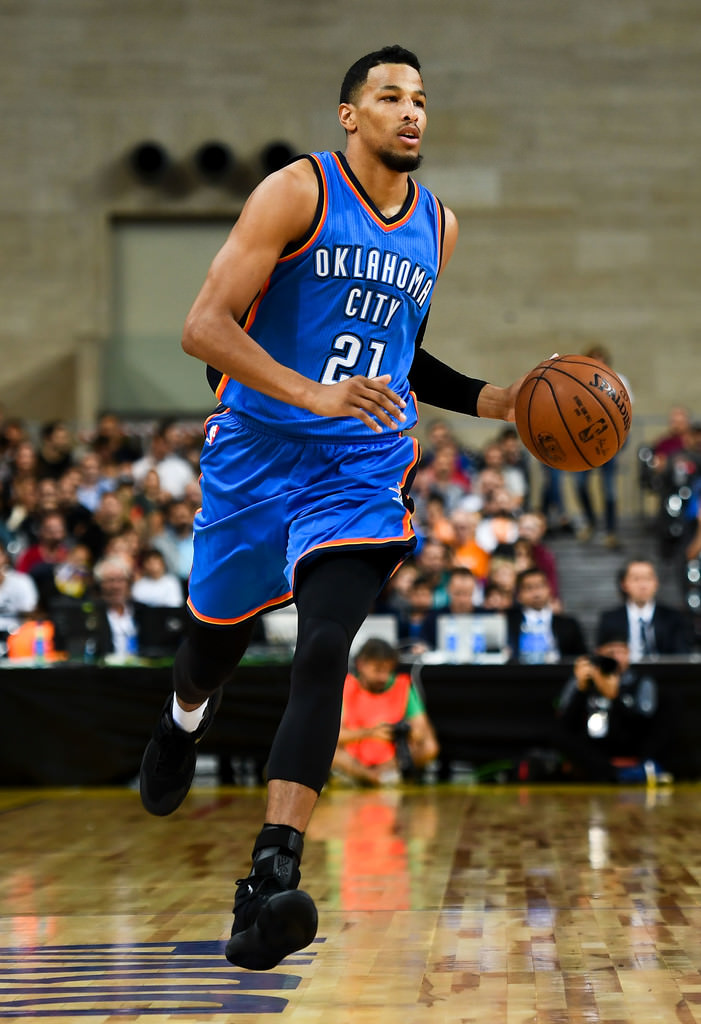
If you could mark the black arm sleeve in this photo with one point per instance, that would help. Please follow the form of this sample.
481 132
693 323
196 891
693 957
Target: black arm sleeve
435 383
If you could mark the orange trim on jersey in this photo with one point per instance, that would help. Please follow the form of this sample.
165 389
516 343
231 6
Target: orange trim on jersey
440 226
250 317
363 202
322 215
272 603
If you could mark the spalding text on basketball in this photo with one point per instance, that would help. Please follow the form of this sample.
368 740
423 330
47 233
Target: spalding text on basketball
620 398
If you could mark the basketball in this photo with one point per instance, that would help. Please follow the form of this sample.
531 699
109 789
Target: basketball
573 412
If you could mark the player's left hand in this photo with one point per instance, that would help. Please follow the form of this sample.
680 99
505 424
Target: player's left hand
496 403
500 403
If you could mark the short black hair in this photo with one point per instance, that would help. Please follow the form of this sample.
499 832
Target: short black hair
526 574
376 649
357 74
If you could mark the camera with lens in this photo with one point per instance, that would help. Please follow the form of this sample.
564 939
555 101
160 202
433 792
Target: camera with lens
607 666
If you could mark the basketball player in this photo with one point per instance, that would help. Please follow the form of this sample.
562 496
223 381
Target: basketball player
310 321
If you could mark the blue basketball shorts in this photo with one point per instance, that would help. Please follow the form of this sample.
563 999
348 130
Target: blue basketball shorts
268 502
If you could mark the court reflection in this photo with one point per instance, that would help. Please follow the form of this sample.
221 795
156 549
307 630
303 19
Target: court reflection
377 845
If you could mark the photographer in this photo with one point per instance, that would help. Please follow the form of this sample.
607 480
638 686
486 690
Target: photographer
385 732
612 724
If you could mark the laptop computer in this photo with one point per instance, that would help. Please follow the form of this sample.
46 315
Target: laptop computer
159 629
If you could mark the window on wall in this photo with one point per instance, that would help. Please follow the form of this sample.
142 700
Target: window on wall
158 267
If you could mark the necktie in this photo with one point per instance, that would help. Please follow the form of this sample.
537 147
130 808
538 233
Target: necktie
644 644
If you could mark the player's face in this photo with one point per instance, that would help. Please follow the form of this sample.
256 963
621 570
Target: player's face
390 115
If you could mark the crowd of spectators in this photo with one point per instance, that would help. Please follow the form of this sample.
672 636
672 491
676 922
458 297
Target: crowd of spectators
76 512
104 519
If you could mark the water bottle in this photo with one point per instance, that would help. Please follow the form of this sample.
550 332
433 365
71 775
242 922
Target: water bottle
452 641
39 643
132 645
533 644
90 650
479 642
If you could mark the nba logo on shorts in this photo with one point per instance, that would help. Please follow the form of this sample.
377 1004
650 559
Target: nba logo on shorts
212 433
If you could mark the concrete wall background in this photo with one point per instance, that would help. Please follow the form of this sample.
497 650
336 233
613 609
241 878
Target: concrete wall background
565 136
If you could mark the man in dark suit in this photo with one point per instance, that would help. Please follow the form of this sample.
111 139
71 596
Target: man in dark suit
536 633
651 628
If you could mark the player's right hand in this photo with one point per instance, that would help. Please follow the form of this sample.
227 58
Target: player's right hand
368 399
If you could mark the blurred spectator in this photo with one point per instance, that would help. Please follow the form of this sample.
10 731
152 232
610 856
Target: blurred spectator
114 579
18 595
553 503
12 432
502 573
462 590
498 523
24 464
434 561
47 496
516 465
385 733
466 551
523 555
94 482
126 544
496 598
150 495
678 423
537 633
113 445
411 621
693 548
109 519
155 585
175 542
77 516
21 523
440 434
394 598
55 454
614 724
70 580
437 523
444 477
607 474
486 481
650 628
692 448
174 471
50 549
533 526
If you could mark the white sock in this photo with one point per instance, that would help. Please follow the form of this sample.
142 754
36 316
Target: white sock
188 720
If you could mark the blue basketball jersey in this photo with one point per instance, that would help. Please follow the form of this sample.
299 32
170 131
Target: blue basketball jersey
348 299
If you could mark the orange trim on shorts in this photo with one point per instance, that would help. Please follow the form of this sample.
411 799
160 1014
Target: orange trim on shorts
274 602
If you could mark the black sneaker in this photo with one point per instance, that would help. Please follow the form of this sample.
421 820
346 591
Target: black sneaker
270 922
168 764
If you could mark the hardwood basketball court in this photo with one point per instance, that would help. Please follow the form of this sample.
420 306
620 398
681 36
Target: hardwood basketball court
497 905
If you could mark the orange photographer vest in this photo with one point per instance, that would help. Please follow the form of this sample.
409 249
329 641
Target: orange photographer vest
362 710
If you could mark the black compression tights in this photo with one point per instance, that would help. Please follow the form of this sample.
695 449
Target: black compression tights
334 595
